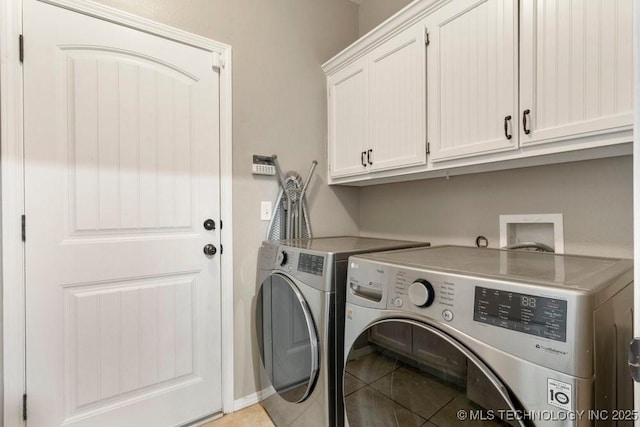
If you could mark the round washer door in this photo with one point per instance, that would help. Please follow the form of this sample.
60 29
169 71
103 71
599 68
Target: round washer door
405 373
287 338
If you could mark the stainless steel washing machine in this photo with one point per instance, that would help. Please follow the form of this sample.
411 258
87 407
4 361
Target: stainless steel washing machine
300 325
452 335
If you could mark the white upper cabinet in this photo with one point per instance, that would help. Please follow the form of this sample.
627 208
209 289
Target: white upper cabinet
576 68
473 78
377 108
496 84
398 102
348 120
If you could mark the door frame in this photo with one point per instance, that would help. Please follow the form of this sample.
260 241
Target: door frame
12 191
636 188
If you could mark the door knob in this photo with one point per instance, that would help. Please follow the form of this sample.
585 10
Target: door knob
209 224
209 250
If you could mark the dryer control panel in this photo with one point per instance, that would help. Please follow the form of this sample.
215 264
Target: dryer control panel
539 324
531 314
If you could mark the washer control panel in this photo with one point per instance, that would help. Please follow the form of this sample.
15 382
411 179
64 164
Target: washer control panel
421 293
522 319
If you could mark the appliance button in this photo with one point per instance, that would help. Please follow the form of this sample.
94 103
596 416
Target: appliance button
447 315
397 302
421 293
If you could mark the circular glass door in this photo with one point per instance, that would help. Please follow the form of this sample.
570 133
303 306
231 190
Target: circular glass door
287 338
403 373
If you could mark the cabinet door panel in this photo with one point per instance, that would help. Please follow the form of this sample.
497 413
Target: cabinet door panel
576 68
472 78
397 88
348 115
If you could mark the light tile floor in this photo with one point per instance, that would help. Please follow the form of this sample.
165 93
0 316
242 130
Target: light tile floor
382 391
254 416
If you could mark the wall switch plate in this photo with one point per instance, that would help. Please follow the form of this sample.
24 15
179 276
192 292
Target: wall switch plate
540 228
263 165
265 211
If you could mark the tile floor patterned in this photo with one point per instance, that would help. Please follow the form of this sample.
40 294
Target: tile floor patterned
383 391
254 416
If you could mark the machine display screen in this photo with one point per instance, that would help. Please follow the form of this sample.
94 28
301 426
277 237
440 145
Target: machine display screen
312 264
534 315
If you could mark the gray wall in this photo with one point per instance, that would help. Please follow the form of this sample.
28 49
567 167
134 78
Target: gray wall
595 196
279 107
373 12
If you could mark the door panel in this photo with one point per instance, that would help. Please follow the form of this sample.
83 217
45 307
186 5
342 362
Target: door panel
473 78
287 338
348 120
576 68
397 88
121 169
388 385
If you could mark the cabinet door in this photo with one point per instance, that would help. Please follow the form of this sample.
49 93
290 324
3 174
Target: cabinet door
472 78
398 98
576 68
348 113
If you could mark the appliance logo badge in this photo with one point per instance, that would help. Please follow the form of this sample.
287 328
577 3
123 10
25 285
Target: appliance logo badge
379 270
354 265
551 350
349 314
559 394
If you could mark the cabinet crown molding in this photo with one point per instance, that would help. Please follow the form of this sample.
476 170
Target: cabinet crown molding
397 23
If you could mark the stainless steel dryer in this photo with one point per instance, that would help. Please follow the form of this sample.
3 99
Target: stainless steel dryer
442 335
300 325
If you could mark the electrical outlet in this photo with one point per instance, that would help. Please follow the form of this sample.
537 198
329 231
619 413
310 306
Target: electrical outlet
265 211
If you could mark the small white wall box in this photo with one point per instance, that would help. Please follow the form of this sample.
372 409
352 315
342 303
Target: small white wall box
263 165
539 228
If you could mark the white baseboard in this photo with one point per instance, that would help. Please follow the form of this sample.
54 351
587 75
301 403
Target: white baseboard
252 399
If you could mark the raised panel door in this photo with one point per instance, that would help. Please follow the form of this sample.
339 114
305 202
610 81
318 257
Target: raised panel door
398 102
576 68
472 76
121 169
348 125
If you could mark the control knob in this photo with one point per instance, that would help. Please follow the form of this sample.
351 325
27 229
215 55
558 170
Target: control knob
282 258
421 293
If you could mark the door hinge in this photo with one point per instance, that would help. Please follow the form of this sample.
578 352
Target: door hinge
220 224
24 407
428 148
21 47
221 249
24 228
426 37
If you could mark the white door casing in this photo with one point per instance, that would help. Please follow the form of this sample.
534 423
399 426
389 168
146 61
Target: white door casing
116 279
636 191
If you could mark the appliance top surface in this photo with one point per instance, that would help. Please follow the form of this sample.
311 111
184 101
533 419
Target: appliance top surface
549 269
346 245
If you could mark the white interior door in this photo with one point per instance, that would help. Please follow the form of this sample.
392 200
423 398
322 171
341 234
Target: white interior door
121 170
